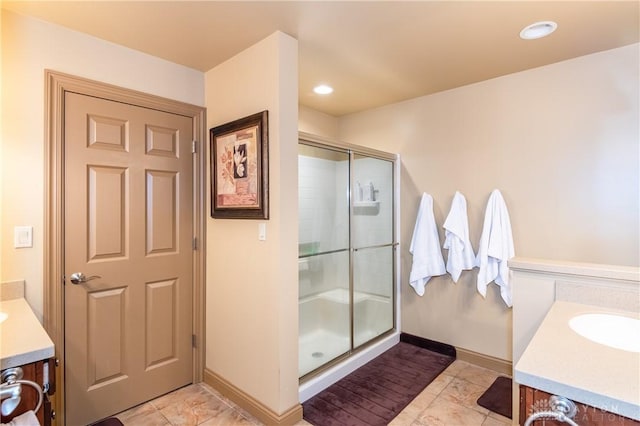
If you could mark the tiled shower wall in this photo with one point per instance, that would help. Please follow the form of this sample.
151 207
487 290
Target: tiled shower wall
324 225
373 226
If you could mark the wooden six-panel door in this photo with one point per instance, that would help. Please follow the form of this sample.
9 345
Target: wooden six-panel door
128 216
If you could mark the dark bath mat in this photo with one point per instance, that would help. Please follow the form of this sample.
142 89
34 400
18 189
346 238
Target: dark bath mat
498 397
378 391
109 421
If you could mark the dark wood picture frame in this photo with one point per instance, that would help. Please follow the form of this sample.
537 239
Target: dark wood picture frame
240 168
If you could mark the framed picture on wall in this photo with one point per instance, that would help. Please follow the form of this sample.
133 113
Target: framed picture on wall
240 168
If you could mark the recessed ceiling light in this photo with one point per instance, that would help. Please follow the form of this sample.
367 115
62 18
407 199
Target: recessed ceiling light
538 30
323 89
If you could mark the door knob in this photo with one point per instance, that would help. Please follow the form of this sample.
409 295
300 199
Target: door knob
79 278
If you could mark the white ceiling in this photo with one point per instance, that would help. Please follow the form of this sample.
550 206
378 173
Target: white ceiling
372 52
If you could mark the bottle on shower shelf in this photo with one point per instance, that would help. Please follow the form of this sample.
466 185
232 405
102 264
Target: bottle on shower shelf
369 192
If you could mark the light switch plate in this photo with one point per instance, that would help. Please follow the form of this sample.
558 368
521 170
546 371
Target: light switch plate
262 231
23 236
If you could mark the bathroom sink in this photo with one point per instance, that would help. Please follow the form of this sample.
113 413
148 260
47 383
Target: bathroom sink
611 330
3 316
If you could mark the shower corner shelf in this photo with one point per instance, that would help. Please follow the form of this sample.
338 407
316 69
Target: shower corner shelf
366 203
366 207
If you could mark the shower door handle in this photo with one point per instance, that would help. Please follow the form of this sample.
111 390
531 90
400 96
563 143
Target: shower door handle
80 278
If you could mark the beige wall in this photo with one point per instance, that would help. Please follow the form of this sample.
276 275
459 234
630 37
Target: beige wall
560 142
3 234
29 47
317 123
252 286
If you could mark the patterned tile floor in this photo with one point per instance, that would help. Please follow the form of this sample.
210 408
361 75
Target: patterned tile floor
449 400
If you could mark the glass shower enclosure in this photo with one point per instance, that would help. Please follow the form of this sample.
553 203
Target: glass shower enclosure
346 258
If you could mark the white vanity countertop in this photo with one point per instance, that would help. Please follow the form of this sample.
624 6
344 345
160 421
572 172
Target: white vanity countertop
561 362
557 267
22 338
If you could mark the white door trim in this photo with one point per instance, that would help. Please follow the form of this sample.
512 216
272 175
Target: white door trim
56 85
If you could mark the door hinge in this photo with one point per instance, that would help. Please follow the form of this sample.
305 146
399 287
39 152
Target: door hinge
194 147
193 340
194 243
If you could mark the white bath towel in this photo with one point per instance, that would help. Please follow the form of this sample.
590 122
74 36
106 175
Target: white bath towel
456 226
495 248
25 419
425 247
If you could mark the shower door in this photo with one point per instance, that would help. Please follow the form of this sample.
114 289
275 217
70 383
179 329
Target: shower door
323 256
373 247
346 260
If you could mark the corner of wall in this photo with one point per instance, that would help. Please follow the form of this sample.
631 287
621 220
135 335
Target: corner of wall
251 284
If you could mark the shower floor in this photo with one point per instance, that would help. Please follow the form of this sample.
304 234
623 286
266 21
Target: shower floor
318 348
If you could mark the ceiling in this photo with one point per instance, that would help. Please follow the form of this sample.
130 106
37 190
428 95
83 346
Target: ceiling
372 52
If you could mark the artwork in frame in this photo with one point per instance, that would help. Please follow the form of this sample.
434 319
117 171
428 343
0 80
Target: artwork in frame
240 168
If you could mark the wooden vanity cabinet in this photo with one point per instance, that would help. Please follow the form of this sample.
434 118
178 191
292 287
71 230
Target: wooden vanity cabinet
29 396
534 400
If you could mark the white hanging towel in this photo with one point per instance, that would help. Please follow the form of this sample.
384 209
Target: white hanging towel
456 226
496 247
425 247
